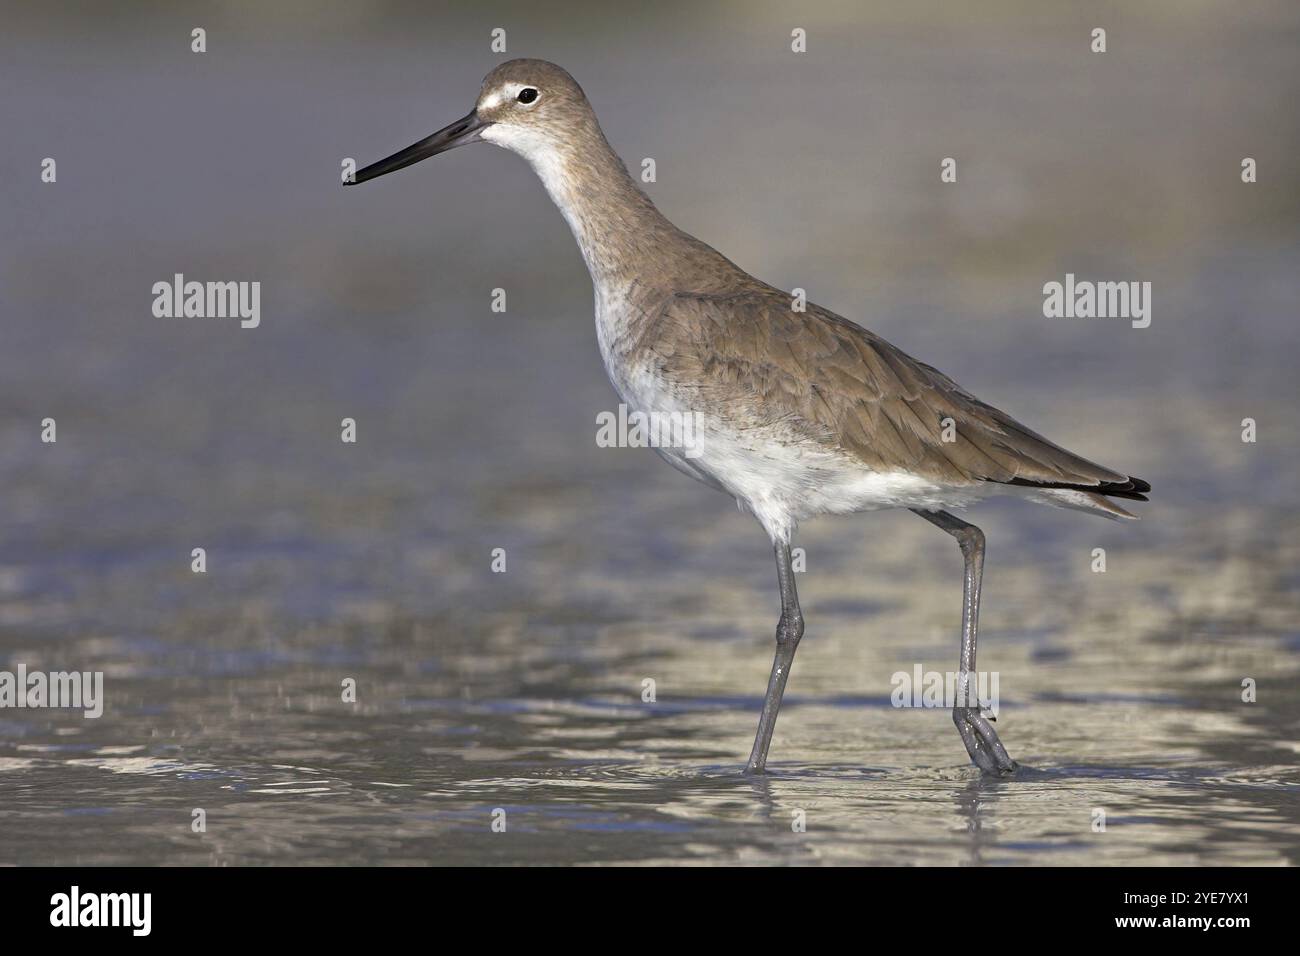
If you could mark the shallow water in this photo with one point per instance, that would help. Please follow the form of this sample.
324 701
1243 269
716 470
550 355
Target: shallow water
521 692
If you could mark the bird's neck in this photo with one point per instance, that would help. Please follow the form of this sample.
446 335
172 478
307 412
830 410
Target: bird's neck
627 243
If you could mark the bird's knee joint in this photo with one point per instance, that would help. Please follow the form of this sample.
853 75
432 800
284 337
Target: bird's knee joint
790 629
971 540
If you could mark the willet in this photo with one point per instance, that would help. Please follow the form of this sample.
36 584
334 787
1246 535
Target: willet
801 412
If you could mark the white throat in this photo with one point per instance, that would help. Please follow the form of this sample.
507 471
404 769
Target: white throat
548 162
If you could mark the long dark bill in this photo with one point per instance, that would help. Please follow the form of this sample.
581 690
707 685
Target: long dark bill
465 130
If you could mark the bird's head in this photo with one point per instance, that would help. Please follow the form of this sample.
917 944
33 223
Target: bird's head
530 107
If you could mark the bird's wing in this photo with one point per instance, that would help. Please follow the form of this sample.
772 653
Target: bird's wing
749 358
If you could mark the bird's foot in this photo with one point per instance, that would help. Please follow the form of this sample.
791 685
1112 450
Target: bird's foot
982 742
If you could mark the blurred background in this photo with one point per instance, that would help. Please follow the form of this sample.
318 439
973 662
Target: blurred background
522 691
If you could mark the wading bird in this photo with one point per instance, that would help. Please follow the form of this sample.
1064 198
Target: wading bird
802 412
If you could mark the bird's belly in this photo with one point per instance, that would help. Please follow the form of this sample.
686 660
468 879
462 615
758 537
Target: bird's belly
772 469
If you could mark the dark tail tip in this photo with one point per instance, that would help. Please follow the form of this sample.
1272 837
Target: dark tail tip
1134 489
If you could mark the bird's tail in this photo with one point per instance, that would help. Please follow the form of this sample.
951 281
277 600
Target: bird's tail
1092 498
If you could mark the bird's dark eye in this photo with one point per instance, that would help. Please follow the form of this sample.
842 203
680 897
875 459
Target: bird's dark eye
527 94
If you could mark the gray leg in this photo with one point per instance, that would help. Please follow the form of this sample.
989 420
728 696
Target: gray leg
788 632
977 733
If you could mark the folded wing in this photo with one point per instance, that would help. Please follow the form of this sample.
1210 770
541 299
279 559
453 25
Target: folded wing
753 360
